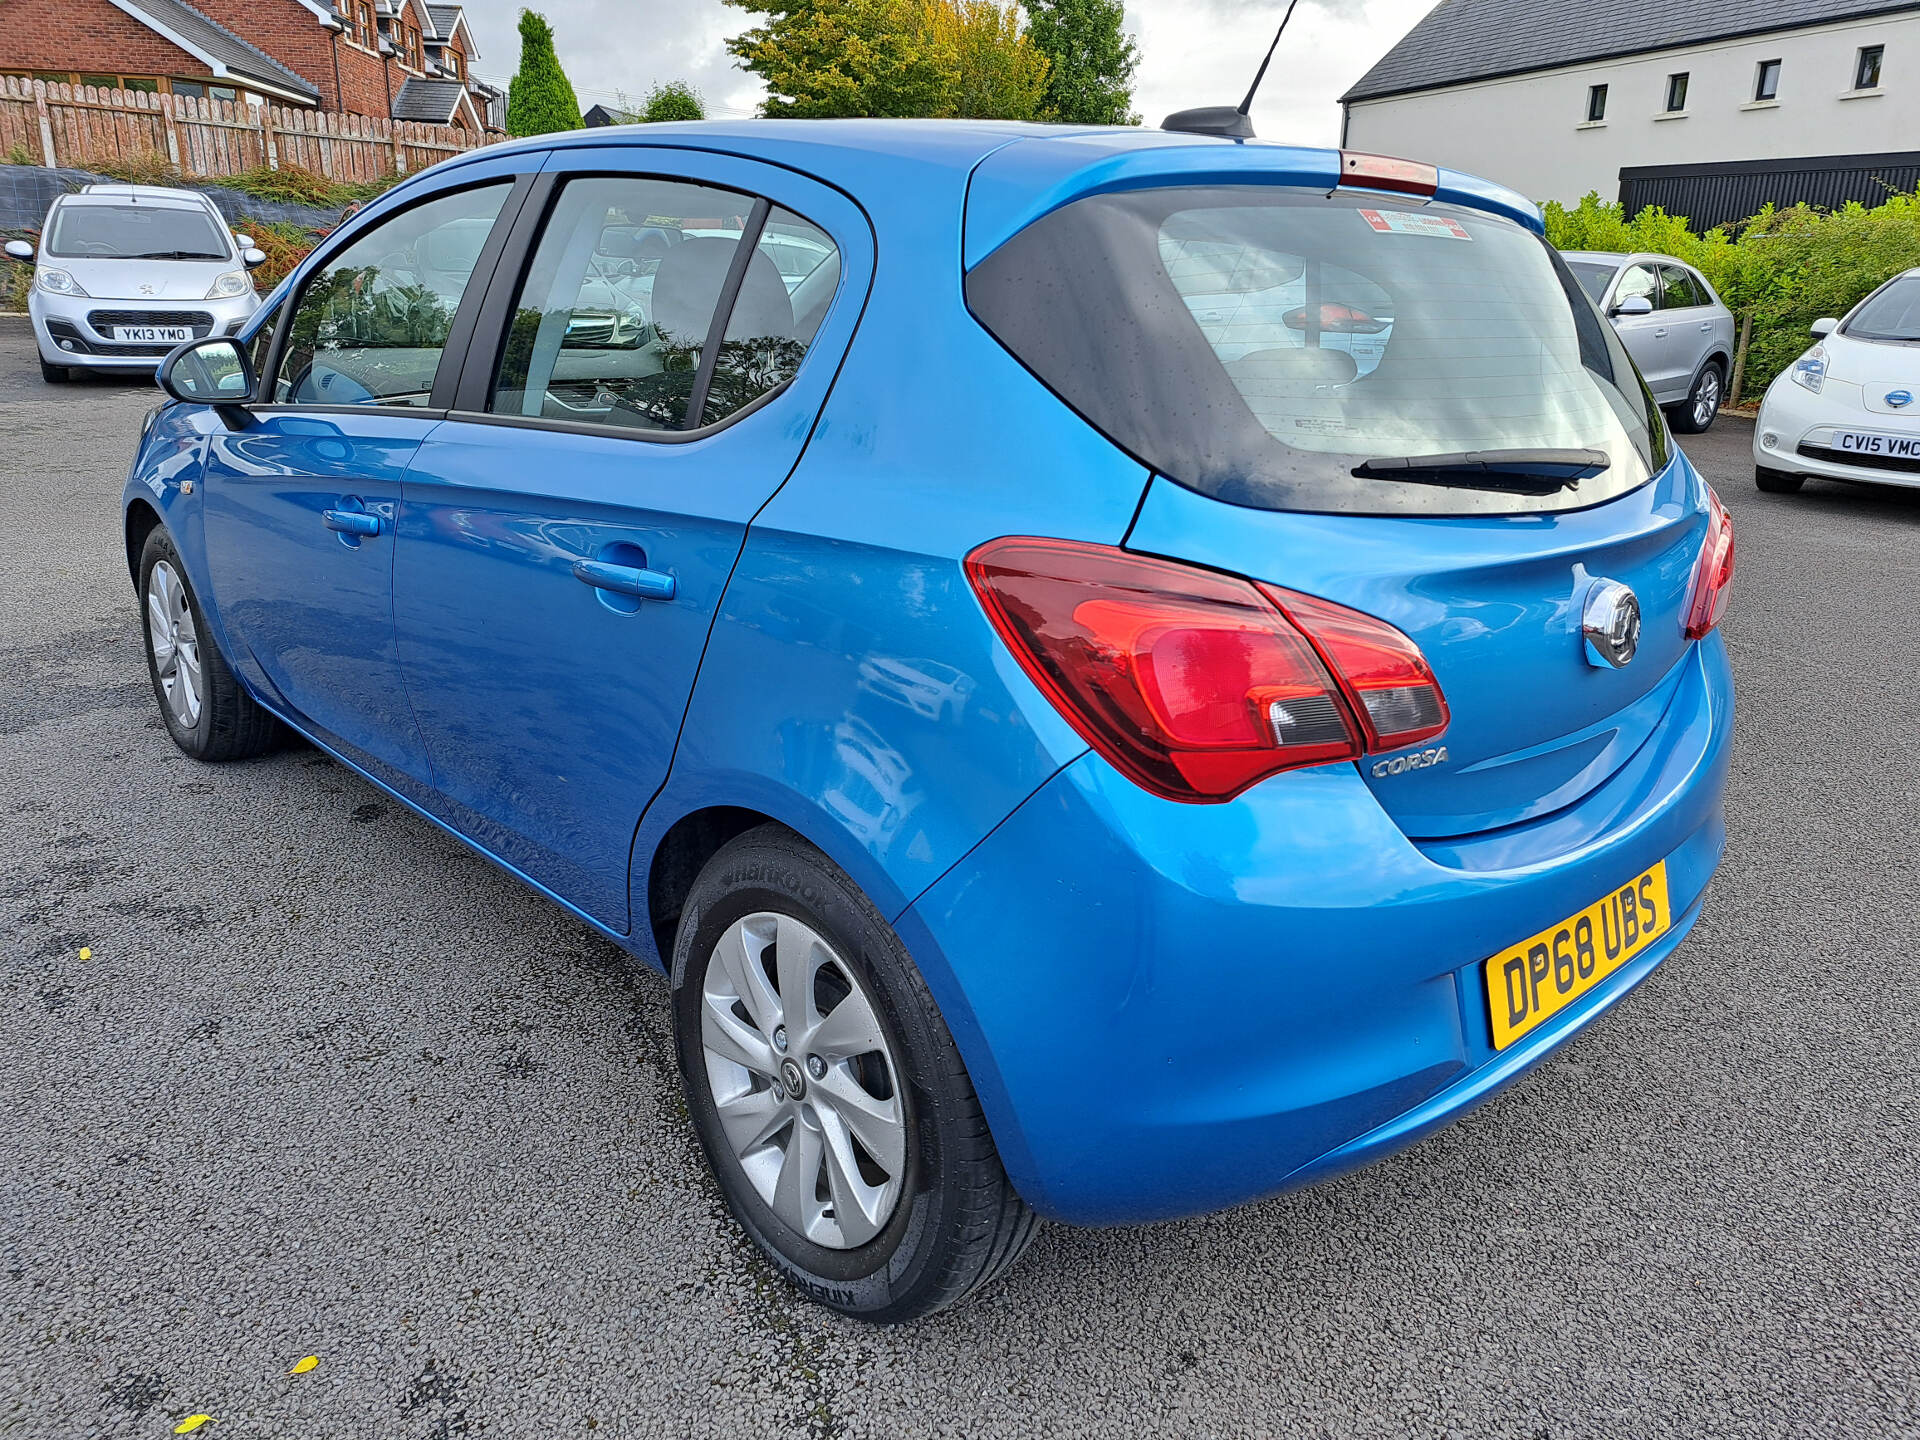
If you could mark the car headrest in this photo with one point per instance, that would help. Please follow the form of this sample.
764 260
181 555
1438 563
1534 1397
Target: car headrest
453 249
687 287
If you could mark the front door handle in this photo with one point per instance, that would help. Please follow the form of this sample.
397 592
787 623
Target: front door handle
625 579
351 522
1661 333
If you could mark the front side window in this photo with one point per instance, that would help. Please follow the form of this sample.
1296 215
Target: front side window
136 232
613 318
1677 92
1596 104
1866 67
1766 82
1638 281
372 323
1286 350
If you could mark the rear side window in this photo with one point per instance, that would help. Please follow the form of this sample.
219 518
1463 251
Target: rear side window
1679 290
1282 349
370 326
614 317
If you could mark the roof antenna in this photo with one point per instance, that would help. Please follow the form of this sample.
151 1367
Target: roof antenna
1220 119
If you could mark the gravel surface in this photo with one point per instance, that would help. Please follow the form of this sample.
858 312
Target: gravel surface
331 1085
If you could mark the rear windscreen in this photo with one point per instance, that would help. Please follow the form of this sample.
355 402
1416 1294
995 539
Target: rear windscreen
1261 346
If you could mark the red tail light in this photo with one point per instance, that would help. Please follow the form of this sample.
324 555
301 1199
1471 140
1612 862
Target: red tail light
1196 684
1713 576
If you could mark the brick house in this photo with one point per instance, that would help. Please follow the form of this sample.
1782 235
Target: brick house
402 59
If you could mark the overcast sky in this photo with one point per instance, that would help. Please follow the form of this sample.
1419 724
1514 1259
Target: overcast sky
1192 52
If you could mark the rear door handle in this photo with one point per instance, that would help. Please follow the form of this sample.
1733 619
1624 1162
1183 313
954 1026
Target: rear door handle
1661 333
625 579
1707 329
351 522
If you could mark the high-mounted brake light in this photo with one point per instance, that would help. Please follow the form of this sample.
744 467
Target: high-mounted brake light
1384 172
1196 684
1713 575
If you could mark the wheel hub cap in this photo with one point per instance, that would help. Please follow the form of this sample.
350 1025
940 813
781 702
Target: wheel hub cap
804 1080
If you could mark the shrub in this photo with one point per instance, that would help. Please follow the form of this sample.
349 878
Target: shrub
293 185
152 168
286 246
675 100
1782 268
541 99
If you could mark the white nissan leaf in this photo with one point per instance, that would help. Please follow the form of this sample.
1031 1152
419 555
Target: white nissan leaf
127 272
1849 409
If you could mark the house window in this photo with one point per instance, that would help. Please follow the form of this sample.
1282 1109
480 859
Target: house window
409 46
1676 93
1766 81
1866 67
1596 104
144 83
201 90
362 27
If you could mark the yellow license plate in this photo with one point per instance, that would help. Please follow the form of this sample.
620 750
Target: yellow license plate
1531 982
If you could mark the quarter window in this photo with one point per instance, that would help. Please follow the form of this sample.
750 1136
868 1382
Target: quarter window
613 319
1866 67
371 324
1766 81
1596 104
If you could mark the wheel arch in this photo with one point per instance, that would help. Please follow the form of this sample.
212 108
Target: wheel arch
141 521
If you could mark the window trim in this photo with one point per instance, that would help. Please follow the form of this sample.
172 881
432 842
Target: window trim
482 360
459 334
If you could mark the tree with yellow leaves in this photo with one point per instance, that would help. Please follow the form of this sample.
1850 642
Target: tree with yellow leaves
893 58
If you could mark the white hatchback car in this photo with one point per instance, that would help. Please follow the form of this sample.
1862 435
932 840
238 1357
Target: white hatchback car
127 272
1849 409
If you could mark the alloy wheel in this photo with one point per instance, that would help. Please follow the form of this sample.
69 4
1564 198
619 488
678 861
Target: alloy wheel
804 1080
175 643
1706 401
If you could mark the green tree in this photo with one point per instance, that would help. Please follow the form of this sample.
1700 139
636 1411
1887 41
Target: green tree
1090 78
675 100
541 99
822 58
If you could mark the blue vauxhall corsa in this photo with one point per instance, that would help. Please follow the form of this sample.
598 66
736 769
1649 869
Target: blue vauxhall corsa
1118 672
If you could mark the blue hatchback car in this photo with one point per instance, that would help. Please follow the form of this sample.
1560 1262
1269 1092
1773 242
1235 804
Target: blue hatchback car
1118 672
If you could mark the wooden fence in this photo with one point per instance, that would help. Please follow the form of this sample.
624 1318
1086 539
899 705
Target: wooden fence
79 126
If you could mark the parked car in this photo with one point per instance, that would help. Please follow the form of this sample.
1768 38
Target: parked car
127 272
1673 324
1068 759
1846 409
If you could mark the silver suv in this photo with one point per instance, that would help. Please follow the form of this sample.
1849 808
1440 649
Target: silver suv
1673 325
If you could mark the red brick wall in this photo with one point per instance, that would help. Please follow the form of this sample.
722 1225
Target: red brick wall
87 36
287 31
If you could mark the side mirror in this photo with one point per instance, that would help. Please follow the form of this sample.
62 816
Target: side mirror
19 250
1822 327
1633 305
213 371
245 242
253 258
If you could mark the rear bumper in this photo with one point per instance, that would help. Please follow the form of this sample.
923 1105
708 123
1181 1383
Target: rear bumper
1170 1009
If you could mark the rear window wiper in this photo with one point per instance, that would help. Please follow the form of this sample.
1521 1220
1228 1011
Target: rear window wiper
1521 472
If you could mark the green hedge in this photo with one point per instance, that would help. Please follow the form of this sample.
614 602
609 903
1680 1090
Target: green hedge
1785 268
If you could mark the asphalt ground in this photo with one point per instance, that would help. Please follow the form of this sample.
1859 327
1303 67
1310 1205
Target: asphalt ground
332 1085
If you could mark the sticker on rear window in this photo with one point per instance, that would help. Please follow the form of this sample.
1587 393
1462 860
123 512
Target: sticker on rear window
1398 222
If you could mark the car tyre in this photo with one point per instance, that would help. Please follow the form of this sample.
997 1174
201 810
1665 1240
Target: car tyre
1702 406
1777 482
769 906
55 374
203 706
